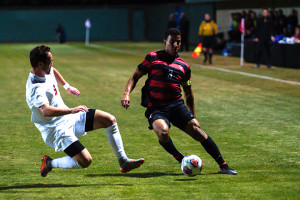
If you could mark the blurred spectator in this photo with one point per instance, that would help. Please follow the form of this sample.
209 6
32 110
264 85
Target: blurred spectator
297 33
282 26
283 18
243 14
281 23
172 22
293 20
234 32
275 18
207 32
253 17
61 34
265 28
184 26
250 25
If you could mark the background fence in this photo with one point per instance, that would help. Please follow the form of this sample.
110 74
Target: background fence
127 23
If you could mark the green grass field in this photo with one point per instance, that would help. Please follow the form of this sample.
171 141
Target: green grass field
255 122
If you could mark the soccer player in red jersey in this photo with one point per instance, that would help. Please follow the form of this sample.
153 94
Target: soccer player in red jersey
162 97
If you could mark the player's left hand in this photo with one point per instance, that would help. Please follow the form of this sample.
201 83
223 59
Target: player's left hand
74 91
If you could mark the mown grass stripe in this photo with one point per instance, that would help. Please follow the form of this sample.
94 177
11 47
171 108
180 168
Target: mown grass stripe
203 66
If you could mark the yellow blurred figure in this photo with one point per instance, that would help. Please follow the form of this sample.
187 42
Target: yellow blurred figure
207 32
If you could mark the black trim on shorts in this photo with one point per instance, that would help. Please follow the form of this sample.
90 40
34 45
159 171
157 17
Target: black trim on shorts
74 149
89 122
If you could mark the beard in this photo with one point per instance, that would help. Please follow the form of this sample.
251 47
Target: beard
47 70
175 51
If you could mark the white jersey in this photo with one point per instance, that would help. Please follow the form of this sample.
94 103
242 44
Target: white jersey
57 132
40 91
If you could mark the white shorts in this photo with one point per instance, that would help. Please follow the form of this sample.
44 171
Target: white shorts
64 133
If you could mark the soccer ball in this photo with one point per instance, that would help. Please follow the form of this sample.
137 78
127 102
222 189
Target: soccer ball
191 165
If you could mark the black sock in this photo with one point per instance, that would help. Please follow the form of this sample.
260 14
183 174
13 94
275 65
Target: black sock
205 57
171 149
212 149
209 57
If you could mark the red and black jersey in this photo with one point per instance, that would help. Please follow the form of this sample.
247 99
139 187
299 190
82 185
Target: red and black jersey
165 76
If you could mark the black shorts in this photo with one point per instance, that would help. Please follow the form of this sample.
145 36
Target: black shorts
176 113
76 147
207 41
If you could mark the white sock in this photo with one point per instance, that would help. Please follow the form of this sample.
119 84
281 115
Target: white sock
65 162
115 141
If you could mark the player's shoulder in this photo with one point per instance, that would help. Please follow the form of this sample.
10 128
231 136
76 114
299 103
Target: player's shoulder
182 62
203 22
151 56
35 83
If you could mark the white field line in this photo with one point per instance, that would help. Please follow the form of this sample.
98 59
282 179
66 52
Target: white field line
248 74
203 66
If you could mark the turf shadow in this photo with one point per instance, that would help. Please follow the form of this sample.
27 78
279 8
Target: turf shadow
193 179
40 185
136 175
186 179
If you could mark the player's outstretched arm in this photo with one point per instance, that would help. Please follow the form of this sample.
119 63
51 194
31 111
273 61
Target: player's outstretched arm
189 98
125 101
50 111
59 78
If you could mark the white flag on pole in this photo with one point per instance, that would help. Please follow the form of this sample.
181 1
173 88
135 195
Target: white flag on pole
242 29
88 25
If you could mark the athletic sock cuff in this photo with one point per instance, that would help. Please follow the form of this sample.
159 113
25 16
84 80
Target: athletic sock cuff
112 129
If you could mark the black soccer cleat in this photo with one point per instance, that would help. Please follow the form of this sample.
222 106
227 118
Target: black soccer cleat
46 166
227 170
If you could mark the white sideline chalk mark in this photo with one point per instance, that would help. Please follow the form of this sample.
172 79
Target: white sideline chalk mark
248 74
203 66
114 49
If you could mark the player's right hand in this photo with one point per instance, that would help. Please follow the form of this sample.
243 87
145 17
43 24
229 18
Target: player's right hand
81 108
125 101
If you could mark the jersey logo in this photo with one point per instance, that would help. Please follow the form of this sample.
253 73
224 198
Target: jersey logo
55 90
170 75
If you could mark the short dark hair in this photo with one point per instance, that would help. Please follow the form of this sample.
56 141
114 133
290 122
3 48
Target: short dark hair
39 54
171 31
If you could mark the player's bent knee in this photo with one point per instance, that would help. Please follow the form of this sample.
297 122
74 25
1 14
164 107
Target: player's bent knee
163 136
110 120
104 120
161 129
86 162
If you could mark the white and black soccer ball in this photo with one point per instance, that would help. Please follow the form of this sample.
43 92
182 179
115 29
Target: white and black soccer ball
191 165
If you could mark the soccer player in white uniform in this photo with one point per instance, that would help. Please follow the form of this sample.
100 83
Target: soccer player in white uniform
60 125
